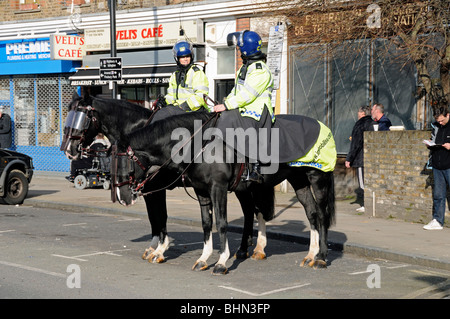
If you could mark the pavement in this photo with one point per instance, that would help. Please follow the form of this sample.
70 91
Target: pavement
385 239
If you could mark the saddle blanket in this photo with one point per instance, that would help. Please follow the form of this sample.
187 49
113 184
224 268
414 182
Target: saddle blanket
305 141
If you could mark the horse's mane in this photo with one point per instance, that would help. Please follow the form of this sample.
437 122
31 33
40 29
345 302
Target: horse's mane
162 129
122 107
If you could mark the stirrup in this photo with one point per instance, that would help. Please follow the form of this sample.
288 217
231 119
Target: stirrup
254 175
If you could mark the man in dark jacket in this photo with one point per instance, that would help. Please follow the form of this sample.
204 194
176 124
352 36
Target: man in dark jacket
5 129
355 156
440 161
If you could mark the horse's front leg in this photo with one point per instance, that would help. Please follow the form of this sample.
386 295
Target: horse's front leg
219 197
157 216
206 213
157 255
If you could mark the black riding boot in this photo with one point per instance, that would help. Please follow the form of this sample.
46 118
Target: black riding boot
255 174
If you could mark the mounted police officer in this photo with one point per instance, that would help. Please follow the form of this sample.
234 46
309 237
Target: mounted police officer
249 105
187 85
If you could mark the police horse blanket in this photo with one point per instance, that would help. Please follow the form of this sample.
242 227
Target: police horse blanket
309 169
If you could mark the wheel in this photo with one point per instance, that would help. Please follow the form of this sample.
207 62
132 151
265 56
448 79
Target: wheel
16 188
106 184
80 182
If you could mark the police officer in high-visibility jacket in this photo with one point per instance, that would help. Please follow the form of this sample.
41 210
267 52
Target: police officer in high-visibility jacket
249 105
187 85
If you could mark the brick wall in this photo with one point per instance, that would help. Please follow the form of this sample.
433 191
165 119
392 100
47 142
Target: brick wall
10 10
395 173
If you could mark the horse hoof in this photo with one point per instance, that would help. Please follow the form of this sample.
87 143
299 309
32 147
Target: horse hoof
240 254
200 266
306 262
258 255
320 264
147 253
220 270
155 259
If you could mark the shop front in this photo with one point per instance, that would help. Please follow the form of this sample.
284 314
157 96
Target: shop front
35 91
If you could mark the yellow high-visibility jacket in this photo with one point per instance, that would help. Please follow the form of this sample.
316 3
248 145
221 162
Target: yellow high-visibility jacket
192 91
252 94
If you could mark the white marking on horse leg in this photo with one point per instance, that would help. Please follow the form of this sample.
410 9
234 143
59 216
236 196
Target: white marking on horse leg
261 243
157 256
153 245
225 255
201 263
313 248
207 249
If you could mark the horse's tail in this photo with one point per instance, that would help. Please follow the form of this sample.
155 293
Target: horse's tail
264 196
330 209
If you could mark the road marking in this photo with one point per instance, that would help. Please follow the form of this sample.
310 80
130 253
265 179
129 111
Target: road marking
108 252
128 219
79 224
264 293
6 231
399 266
370 271
42 271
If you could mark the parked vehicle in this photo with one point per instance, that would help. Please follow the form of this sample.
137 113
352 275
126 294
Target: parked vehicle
16 171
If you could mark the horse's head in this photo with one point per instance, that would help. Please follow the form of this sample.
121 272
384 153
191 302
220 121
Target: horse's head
79 129
128 173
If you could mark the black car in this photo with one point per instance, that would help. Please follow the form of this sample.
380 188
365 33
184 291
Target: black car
16 171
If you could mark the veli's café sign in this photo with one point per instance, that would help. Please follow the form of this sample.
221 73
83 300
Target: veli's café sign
143 36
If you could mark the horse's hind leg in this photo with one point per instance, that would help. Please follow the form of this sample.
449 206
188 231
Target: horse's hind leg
248 208
261 243
306 198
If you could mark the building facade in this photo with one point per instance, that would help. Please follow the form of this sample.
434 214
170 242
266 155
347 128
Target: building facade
37 92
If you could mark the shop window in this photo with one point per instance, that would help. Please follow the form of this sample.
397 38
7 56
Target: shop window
222 88
225 59
133 94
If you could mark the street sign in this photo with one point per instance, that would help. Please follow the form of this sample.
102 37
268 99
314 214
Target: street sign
111 69
110 63
111 75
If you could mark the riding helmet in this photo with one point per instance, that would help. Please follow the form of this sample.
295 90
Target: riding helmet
182 49
249 42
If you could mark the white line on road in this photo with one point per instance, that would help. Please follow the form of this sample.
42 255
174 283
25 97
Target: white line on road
79 224
264 293
42 271
109 252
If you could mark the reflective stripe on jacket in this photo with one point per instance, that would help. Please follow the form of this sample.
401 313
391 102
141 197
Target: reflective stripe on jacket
252 94
196 85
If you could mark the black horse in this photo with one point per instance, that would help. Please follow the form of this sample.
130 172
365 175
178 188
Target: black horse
154 147
89 116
